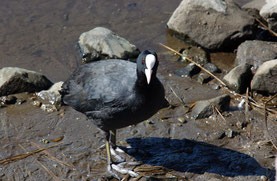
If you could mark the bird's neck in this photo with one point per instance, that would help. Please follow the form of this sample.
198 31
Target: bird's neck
141 83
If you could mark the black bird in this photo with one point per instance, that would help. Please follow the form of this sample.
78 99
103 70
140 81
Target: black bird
116 93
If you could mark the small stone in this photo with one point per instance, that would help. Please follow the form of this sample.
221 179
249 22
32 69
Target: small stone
188 71
239 78
211 68
204 78
8 99
52 95
215 86
265 79
221 135
37 103
49 108
44 141
20 101
182 120
149 121
204 109
230 133
195 53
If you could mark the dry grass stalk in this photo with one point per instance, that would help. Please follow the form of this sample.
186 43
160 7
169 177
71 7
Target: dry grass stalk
43 166
246 113
54 158
198 65
266 121
252 102
49 172
218 112
179 98
266 27
22 156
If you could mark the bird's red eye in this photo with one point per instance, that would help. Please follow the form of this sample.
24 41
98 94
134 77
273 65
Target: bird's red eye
142 61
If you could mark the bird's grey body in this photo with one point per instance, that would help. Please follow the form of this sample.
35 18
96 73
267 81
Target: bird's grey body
106 92
114 94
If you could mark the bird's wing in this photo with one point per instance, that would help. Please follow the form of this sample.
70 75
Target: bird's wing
96 86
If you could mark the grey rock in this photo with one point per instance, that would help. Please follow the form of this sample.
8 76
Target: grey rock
211 68
188 71
16 80
265 79
256 53
52 95
255 4
204 109
239 78
204 78
102 43
269 12
197 54
211 23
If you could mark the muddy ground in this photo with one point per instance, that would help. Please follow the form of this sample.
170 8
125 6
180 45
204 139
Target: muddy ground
41 37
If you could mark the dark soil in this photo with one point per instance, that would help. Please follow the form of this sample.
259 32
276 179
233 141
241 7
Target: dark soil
41 36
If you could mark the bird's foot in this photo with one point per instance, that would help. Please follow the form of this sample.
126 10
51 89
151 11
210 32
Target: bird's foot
120 169
116 156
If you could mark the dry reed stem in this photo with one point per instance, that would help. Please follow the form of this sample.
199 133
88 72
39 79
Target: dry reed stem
266 27
252 102
179 98
218 112
54 158
44 167
266 121
198 65
22 156
247 120
49 172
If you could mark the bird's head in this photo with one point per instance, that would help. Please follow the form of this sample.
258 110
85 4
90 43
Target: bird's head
147 64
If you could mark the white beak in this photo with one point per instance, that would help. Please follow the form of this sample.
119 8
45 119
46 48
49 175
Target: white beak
148 73
150 62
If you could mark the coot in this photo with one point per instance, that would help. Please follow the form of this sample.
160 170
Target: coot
116 93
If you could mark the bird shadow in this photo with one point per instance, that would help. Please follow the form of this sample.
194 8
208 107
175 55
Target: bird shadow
193 156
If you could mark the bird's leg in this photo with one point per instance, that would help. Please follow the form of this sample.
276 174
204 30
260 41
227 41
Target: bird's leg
109 158
114 148
110 151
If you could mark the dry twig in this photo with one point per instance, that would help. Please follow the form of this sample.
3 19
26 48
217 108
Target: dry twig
257 106
43 166
54 158
198 65
22 156
266 27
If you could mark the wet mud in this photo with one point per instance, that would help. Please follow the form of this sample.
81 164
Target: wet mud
41 36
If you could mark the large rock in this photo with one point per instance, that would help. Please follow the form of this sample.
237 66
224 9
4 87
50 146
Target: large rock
269 12
255 4
212 24
239 78
102 43
204 109
256 53
16 80
265 79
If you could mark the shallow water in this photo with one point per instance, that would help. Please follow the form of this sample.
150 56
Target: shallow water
41 35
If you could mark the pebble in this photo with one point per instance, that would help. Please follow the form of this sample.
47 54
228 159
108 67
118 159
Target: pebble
37 103
48 107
